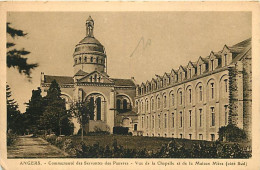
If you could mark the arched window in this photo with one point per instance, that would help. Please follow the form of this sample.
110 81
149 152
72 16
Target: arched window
97 60
98 102
158 103
200 93
118 104
91 59
165 121
212 116
172 120
190 115
153 122
124 104
85 59
164 101
212 90
75 61
147 106
79 59
190 96
181 119
180 97
172 101
142 106
200 117
159 121
91 102
152 104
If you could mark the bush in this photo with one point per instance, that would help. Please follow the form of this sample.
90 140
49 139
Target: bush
120 130
10 139
231 133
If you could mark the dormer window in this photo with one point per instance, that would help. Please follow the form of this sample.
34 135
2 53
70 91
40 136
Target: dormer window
190 72
200 68
212 64
225 59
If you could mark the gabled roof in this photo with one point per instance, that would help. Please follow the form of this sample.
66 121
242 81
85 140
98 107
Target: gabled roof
81 73
182 68
191 64
202 59
59 79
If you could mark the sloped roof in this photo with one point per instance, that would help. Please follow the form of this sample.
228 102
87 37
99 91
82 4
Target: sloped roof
59 79
123 82
81 73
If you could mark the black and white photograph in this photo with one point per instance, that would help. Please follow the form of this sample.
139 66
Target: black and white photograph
129 84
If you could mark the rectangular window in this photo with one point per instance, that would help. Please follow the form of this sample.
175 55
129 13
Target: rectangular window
226 114
190 72
200 137
212 65
212 116
181 136
200 121
180 76
172 99
200 87
190 117
159 121
226 86
180 98
200 68
212 90
225 58
142 122
190 95
212 137
147 122
165 121
180 119
190 136
152 122
165 102
172 120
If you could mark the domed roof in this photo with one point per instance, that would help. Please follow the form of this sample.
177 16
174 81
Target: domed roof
90 40
89 44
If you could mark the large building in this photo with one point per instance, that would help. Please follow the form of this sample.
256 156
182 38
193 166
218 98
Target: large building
195 100
191 102
112 98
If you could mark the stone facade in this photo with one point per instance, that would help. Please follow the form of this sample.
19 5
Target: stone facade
194 101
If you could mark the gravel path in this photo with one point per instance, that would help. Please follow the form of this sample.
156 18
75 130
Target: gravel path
29 147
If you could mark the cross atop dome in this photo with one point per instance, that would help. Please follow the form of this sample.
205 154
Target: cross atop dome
90 27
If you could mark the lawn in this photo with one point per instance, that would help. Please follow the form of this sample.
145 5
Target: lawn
133 142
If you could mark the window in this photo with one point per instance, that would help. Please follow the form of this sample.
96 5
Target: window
142 106
91 59
212 90
190 117
190 135
172 120
153 122
159 121
212 116
181 119
97 60
142 122
226 85
135 127
200 117
118 104
200 137
200 93
152 103
226 114
190 72
90 78
180 76
95 78
212 137
124 104
75 61
164 102
158 103
79 59
181 136
189 95
172 99
180 98
200 68
85 59
212 64
147 122
225 59
147 106
165 121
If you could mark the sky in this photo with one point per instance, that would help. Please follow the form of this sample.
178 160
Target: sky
138 44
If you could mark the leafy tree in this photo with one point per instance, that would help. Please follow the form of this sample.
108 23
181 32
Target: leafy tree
14 117
15 58
55 117
231 133
82 111
34 111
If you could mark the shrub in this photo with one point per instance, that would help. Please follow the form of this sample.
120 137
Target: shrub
51 138
10 139
231 133
120 130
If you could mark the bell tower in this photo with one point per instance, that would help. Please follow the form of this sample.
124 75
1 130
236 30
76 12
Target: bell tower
90 27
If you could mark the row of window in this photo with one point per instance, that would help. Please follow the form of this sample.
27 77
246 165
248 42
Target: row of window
144 106
171 119
182 74
212 136
91 59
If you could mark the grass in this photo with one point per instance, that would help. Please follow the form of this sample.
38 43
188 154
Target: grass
133 142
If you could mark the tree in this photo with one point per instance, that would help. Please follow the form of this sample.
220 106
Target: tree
82 111
15 58
34 110
14 117
231 133
55 117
